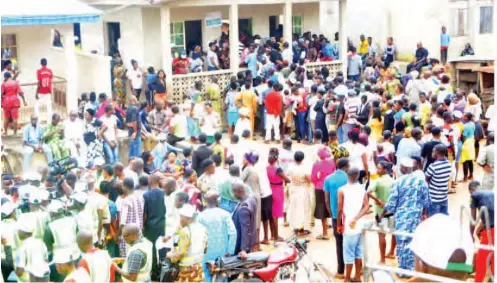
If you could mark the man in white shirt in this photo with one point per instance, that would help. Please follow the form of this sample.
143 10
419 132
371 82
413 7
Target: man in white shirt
135 75
73 137
287 54
352 206
177 126
111 147
210 122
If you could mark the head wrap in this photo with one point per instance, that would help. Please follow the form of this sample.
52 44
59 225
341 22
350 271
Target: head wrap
252 157
324 153
473 99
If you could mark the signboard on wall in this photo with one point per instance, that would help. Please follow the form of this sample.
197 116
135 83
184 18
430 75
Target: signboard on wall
213 19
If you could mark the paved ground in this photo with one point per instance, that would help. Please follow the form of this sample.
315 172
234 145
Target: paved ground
323 252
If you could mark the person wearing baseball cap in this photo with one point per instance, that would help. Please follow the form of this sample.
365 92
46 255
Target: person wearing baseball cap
409 202
30 251
192 245
442 247
39 271
65 263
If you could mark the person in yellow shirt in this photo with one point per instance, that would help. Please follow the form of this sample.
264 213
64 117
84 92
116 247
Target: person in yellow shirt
376 124
247 98
424 109
364 46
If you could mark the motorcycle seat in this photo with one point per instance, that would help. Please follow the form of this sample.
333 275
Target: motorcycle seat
235 261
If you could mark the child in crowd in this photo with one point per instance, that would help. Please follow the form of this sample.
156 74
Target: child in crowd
171 166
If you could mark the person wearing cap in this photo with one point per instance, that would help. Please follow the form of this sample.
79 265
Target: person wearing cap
66 266
39 272
221 232
181 64
61 230
36 217
191 247
95 261
442 247
85 215
10 238
244 123
409 201
32 250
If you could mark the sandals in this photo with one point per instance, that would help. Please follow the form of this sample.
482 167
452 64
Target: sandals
321 237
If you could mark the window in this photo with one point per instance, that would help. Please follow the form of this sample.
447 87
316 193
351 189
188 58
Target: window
297 25
9 49
178 36
486 21
459 22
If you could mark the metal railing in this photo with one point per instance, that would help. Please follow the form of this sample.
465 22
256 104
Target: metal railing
59 100
369 268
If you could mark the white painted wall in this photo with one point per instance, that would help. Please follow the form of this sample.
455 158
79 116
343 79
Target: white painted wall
412 21
92 37
35 42
152 37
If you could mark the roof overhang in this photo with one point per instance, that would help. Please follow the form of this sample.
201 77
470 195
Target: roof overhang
48 12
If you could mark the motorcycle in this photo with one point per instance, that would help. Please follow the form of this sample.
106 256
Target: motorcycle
280 265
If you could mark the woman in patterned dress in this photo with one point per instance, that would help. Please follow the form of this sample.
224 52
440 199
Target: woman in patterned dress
53 136
120 81
92 135
300 208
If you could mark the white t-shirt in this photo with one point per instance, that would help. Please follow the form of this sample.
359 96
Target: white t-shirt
211 56
136 77
355 154
353 198
241 126
110 123
179 125
211 123
490 115
352 106
312 102
388 148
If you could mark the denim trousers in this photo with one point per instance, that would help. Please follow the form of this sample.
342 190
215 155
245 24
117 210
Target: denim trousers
302 124
135 147
438 207
112 154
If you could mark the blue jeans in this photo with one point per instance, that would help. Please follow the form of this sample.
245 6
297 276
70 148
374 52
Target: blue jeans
209 68
343 132
355 77
438 207
111 153
302 125
135 147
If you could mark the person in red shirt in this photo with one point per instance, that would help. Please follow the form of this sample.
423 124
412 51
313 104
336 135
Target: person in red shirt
44 89
274 105
301 114
10 101
95 261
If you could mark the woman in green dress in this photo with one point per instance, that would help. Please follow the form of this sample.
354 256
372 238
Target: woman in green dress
54 138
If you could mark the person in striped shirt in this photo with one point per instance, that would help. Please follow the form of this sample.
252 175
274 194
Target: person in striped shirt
437 177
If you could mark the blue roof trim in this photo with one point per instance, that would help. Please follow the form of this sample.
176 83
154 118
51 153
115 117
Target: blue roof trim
48 20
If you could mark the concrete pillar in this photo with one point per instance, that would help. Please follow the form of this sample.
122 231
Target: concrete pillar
287 21
343 34
234 38
71 72
165 31
473 22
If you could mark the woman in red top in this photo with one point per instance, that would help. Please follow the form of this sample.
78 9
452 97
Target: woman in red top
181 64
10 101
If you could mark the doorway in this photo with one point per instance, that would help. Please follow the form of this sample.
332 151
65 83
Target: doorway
113 35
275 28
245 27
193 34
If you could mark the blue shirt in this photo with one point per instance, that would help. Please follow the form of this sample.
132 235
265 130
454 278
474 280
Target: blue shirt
399 115
151 79
408 197
221 232
444 39
33 135
251 62
230 101
331 185
330 50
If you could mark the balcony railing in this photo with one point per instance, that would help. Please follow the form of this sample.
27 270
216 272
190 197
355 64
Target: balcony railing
58 100
183 83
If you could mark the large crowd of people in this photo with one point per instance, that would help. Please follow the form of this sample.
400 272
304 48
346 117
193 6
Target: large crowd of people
373 135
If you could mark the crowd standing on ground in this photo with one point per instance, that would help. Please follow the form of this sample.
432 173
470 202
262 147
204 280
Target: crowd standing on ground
372 134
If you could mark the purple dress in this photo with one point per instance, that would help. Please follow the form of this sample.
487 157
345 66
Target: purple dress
276 183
